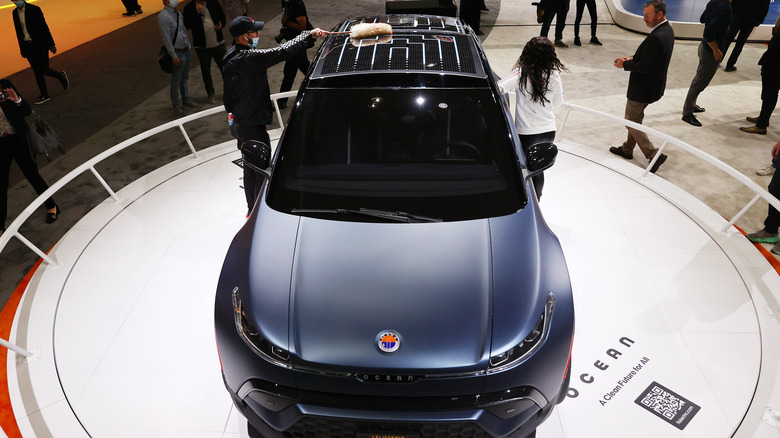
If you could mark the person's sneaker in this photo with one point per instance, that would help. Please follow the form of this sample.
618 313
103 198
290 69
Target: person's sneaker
775 249
560 43
128 14
730 68
661 160
577 41
752 119
753 130
64 81
193 105
42 99
617 150
761 236
595 41
766 171
177 111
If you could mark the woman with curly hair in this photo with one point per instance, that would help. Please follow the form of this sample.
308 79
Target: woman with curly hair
536 82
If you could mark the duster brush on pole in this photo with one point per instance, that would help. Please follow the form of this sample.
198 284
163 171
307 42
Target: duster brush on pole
367 30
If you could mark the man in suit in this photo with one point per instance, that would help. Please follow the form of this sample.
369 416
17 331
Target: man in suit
206 19
13 147
35 43
748 14
716 18
647 81
770 85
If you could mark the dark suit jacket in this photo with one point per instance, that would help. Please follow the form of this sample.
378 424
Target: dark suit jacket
15 113
749 12
193 21
771 58
649 66
36 27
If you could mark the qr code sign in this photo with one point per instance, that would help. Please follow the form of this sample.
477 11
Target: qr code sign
668 405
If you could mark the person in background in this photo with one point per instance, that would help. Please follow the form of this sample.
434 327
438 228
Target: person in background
14 147
768 234
235 8
294 21
770 85
555 8
206 19
35 43
132 8
174 36
593 22
247 95
748 14
647 81
536 82
716 18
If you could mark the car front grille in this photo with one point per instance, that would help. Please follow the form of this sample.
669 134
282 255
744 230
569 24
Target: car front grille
311 427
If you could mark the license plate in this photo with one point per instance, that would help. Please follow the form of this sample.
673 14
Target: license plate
388 435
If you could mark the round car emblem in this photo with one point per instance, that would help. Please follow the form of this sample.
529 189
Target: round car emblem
388 342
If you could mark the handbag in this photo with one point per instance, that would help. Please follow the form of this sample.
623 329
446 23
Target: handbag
41 138
539 11
165 59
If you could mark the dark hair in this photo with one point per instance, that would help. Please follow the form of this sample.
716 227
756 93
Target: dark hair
659 6
536 63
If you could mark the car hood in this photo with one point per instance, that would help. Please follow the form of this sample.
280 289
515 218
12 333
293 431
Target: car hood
433 284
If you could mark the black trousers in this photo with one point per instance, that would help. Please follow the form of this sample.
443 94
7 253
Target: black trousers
561 12
204 58
252 181
770 86
772 221
39 61
591 4
741 32
291 68
131 5
526 141
11 149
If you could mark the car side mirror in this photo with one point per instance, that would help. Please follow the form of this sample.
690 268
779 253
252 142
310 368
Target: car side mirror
540 157
256 155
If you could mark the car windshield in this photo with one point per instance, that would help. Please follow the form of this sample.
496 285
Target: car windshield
442 153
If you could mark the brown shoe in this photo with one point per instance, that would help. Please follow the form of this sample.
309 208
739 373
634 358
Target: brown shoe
752 119
753 130
617 150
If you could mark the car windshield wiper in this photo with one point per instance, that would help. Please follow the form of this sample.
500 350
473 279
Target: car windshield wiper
392 215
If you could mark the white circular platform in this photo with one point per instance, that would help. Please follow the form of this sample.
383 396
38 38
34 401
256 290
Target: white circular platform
123 327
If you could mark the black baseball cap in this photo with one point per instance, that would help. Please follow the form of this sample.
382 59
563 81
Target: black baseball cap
243 24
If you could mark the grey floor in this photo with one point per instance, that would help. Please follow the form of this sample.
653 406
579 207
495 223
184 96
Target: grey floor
118 91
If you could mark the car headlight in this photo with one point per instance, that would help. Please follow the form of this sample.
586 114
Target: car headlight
254 339
528 345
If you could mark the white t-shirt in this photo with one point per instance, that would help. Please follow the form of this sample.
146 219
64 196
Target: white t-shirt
533 117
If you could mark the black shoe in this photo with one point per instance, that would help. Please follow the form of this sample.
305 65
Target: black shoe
730 68
595 41
691 119
51 217
661 160
139 11
698 109
560 43
64 81
129 14
42 99
577 41
617 150
282 103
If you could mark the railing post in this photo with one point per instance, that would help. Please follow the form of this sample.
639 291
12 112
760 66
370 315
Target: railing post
14 348
655 158
189 143
35 249
563 123
741 213
105 185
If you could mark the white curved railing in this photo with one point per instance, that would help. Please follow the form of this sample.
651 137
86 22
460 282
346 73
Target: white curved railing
720 165
13 229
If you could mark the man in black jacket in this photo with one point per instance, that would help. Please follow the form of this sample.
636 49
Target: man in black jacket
294 21
716 18
13 147
247 95
647 81
206 19
748 14
770 84
35 43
